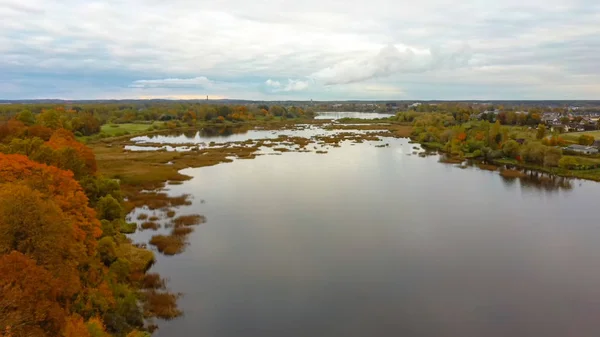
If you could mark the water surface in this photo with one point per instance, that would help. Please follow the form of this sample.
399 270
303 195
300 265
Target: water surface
350 114
367 241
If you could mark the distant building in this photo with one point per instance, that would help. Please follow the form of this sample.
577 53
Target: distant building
582 149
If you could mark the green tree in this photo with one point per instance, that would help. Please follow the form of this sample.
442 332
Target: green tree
277 110
586 140
552 156
541 131
109 208
533 153
510 148
26 117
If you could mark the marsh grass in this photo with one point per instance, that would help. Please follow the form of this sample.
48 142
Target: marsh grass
157 200
140 259
150 225
189 220
128 227
509 173
161 304
170 213
142 216
451 160
168 244
154 218
488 167
152 281
181 231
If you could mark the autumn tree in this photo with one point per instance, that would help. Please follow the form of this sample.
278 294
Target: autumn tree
72 155
35 226
29 301
59 185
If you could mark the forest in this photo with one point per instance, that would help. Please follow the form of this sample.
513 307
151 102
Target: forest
66 266
87 119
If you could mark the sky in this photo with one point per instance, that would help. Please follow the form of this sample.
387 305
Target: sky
300 50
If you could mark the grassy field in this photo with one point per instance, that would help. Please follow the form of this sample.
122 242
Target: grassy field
120 129
575 135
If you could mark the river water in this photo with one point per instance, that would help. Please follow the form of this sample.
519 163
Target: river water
350 114
367 241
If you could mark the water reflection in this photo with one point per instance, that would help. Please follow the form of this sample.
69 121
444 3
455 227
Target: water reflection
196 136
540 181
367 241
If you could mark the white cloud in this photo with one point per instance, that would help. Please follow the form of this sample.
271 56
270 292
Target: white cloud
292 85
273 84
199 82
296 85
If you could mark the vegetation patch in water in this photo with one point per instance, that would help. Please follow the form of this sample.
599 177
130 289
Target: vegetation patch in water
508 173
168 244
150 225
162 305
182 231
451 160
152 281
488 167
189 220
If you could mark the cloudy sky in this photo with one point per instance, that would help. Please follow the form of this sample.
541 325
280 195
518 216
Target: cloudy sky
309 49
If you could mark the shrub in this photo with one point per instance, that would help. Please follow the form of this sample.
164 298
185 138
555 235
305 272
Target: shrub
108 229
109 208
120 269
107 250
569 163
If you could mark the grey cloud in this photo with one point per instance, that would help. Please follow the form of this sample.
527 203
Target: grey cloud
390 60
548 44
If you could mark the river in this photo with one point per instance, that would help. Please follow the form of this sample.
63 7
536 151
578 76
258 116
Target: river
367 241
350 114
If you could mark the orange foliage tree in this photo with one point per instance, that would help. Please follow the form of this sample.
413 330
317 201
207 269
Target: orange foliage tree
59 185
29 302
64 140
